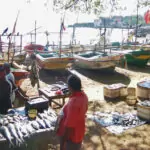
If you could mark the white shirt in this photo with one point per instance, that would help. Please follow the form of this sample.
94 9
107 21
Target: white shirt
11 77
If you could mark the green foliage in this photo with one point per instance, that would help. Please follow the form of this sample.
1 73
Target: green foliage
86 6
89 6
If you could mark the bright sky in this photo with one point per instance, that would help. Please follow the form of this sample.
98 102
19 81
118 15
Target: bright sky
49 20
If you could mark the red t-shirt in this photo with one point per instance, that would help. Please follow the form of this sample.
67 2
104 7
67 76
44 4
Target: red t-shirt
74 116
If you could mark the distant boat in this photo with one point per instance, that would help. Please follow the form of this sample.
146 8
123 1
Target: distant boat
17 57
52 60
138 58
94 60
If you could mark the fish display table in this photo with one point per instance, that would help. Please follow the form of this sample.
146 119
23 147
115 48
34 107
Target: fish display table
19 133
53 93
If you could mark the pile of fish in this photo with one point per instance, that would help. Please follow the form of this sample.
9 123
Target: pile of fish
115 118
15 128
145 103
115 122
126 119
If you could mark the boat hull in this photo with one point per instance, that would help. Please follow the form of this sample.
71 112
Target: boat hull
140 61
138 58
54 63
96 64
19 58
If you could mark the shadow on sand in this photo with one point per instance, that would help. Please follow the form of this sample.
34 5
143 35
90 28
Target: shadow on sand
105 77
51 77
145 69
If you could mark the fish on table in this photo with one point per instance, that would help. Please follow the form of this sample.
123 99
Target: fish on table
13 132
5 132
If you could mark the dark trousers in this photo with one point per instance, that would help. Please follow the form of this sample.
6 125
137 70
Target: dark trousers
69 145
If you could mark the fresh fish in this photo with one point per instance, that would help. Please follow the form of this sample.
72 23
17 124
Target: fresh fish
49 117
6 122
11 120
47 123
16 119
35 125
19 133
4 130
40 115
1 136
4 119
41 123
8 117
1 121
43 116
29 128
24 130
13 132
52 114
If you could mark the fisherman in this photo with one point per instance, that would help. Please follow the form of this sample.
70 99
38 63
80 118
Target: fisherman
11 80
5 93
72 118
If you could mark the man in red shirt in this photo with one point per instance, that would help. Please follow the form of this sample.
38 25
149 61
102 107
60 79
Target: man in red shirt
72 125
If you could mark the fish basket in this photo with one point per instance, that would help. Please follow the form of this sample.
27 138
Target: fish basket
143 112
143 92
131 100
131 91
114 91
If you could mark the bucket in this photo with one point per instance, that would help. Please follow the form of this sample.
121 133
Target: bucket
115 91
143 112
143 90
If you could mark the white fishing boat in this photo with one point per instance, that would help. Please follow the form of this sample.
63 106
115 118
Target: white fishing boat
94 60
52 61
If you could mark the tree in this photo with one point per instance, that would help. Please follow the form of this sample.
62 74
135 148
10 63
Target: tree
88 6
144 2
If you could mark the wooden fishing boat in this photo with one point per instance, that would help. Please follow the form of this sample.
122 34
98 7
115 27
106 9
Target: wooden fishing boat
138 58
19 75
17 57
94 60
52 61
135 47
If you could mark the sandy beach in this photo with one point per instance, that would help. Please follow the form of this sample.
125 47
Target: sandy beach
97 137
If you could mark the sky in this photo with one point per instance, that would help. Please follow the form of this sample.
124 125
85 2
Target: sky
46 18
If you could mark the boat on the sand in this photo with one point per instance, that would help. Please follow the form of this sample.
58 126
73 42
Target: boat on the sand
53 61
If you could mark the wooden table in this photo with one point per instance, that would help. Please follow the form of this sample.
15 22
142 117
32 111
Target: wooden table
52 96
42 139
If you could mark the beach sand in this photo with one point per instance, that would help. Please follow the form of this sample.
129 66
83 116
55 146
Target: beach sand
97 137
